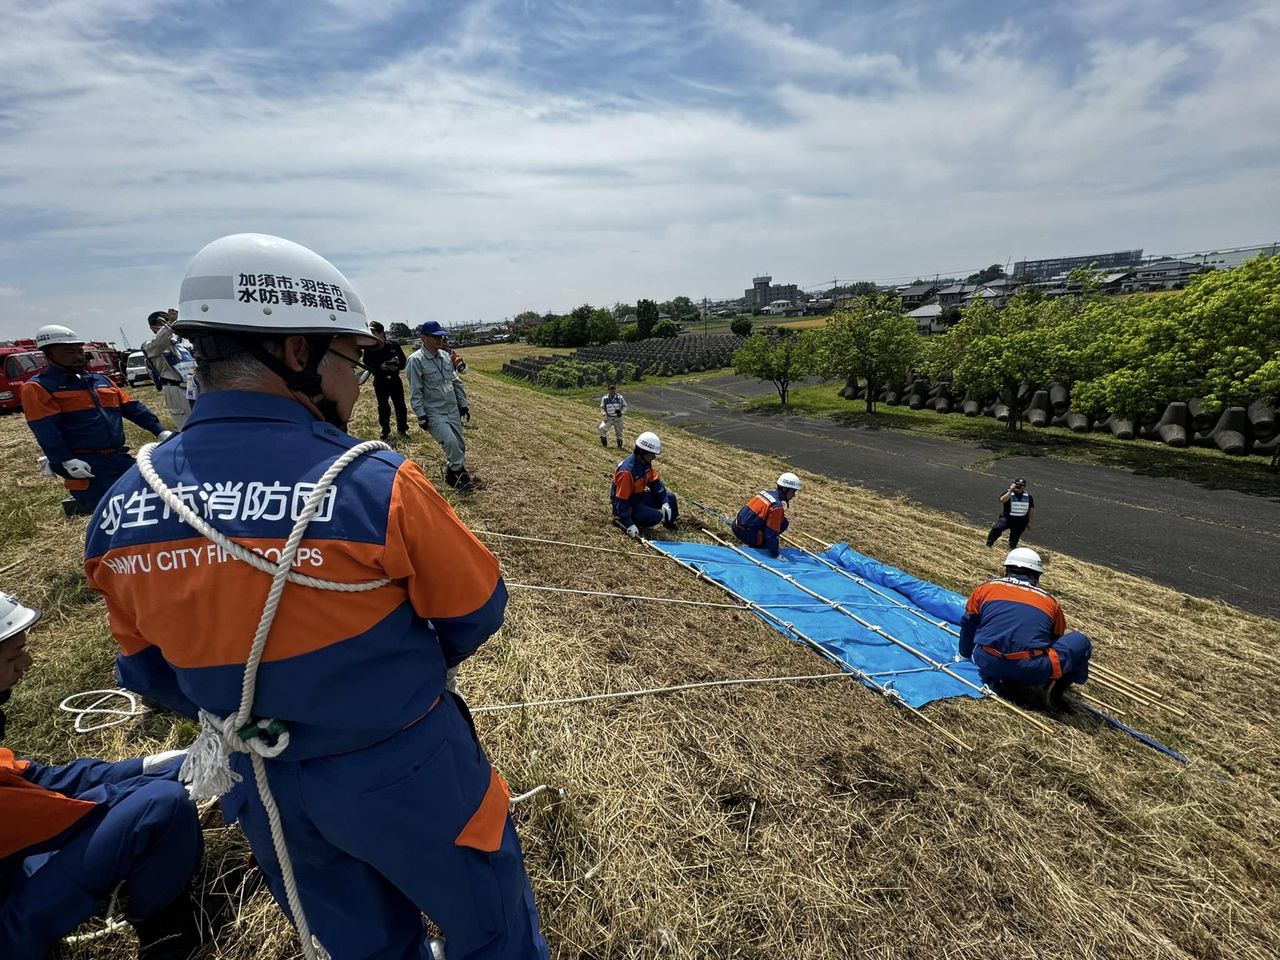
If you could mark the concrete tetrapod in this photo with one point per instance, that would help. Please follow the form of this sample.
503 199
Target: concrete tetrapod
1228 434
1060 398
1174 424
1201 419
1262 419
970 406
1037 413
1077 422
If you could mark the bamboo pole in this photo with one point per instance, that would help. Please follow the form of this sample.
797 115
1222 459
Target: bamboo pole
815 646
1090 698
1142 687
879 631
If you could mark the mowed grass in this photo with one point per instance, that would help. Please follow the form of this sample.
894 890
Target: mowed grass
806 820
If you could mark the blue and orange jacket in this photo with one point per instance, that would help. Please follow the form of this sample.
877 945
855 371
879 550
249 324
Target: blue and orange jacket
634 484
77 414
342 670
1010 616
762 520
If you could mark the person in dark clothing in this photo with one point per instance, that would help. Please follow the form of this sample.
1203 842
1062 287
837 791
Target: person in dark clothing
386 360
1019 508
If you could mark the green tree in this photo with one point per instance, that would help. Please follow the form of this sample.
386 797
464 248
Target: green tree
741 326
646 317
665 328
1001 350
574 327
781 359
602 326
629 333
400 331
872 340
986 274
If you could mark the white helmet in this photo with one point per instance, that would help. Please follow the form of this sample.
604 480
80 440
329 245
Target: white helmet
14 616
1024 559
252 282
649 442
788 481
54 334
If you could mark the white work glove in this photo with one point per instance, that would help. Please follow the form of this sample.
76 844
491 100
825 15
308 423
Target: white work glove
43 468
633 531
451 679
77 469
164 435
666 512
157 760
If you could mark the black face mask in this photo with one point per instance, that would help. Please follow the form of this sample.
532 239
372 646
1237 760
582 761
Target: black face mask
329 410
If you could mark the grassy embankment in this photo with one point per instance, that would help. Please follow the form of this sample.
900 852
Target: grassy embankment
805 820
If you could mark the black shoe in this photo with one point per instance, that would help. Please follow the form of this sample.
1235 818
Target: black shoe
619 444
450 477
604 442
172 932
464 480
71 507
385 437
404 432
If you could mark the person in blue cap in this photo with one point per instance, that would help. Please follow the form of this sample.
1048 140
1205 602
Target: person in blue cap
439 401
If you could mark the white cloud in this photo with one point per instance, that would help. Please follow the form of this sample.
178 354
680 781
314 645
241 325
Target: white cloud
449 190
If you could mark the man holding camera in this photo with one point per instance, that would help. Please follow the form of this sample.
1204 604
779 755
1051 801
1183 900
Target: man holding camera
1019 508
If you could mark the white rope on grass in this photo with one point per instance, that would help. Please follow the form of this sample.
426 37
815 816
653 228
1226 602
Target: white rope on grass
565 543
207 767
634 596
620 694
135 708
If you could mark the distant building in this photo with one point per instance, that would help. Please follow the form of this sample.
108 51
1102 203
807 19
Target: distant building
764 292
1234 257
1045 269
916 294
1162 275
928 319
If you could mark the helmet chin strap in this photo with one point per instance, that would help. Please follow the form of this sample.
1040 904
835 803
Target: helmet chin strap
305 384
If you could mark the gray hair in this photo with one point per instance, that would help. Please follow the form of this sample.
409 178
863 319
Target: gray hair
242 370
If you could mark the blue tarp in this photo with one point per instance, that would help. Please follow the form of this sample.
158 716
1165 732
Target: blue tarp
883 661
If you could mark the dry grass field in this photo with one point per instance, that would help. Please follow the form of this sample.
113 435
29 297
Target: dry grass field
805 819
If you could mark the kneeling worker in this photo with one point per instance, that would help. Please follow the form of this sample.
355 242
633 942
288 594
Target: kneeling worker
638 496
1013 630
70 834
764 518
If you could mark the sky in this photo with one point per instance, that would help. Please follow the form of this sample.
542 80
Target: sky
466 161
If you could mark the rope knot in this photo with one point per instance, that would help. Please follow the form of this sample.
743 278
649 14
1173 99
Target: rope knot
207 768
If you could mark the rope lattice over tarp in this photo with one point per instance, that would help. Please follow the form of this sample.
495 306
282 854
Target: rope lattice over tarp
891 601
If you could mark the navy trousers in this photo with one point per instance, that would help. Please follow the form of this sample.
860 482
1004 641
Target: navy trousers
648 511
145 833
1071 651
1015 525
376 837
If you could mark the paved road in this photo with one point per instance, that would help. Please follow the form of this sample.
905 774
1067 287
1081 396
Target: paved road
1219 544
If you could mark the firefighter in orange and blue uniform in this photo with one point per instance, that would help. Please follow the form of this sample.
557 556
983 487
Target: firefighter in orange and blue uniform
638 497
78 418
764 517
389 807
70 834
1014 631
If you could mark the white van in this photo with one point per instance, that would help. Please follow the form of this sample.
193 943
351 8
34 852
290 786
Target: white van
135 369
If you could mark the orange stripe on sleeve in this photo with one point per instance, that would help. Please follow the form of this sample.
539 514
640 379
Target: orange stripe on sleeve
623 485
37 402
447 571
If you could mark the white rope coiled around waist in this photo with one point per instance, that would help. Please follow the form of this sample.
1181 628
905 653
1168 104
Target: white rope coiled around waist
207 767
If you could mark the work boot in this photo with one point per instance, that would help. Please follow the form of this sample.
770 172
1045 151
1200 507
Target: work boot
450 477
604 442
385 436
464 480
619 444
172 932
1057 691
71 507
